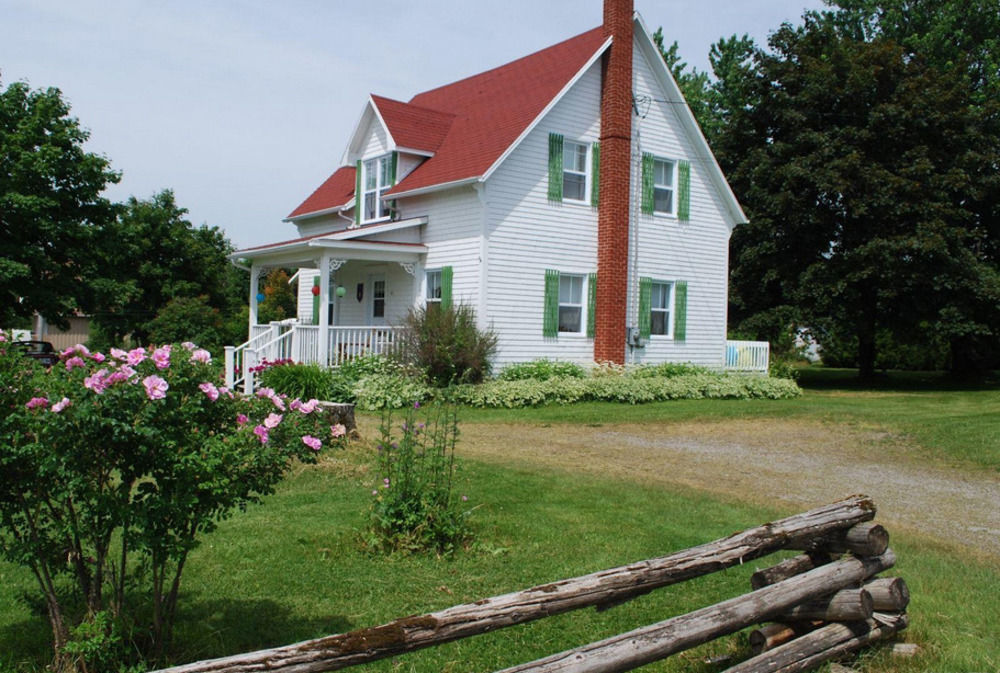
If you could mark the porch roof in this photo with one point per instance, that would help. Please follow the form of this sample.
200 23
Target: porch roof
346 243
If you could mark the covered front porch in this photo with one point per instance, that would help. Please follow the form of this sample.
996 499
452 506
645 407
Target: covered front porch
352 294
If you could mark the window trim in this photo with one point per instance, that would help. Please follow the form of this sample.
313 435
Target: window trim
669 319
428 299
382 163
672 187
586 173
582 306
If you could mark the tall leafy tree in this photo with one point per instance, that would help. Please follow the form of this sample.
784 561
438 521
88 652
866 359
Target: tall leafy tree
50 205
856 161
151 255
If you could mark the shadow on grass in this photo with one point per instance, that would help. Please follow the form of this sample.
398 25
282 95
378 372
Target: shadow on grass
206 629
212 628
829 378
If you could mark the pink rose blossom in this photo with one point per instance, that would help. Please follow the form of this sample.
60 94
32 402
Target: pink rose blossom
272 420
97 357
74 361
60 405
210 390
278 403
242 419
308 407
226 391
127 371
156 388
96 381
36 402
161 357
118 354
312 442
338 430
201 355
265 392
261 433
135 356
116 377
190 345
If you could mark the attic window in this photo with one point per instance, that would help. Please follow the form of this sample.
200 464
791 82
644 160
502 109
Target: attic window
378 178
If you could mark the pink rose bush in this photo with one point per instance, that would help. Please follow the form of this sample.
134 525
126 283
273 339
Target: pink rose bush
190 452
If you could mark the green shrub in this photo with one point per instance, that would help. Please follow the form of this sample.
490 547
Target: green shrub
298 380
666 370
415 506
389 391
345 378
623 389
446 344
542 370
783 369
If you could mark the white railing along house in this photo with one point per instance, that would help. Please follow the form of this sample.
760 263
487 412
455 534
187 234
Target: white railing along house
748 356
300 343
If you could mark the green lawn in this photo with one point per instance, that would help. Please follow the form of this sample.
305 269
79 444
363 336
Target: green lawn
291 569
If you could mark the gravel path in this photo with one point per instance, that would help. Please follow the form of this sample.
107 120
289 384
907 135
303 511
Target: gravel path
802 464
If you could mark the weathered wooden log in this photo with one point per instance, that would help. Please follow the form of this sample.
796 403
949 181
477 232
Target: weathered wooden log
411 633
772 635
864 539
825 643
636 648
847 605
788 567
889 594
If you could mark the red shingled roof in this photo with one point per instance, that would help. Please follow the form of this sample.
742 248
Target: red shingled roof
469 124
412 126
336 191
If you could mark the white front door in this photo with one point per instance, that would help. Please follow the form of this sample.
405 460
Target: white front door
376 299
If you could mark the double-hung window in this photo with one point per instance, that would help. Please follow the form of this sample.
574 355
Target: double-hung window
378 178
570 303
433 289
438 294
574 171
660 299
664 186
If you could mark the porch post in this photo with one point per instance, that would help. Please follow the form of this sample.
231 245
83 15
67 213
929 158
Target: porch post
322 348
254 283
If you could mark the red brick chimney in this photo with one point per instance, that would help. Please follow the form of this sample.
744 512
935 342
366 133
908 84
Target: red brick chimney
615 172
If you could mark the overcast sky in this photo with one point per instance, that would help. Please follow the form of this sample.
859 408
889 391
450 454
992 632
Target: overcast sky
243 108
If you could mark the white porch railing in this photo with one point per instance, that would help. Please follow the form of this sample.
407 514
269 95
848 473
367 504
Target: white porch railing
300 343
748 356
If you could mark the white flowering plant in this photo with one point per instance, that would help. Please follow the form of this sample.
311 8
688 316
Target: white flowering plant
121 460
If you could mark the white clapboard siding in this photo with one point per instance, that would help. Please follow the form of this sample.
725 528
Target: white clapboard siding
528 234
452 236
695 251
377 142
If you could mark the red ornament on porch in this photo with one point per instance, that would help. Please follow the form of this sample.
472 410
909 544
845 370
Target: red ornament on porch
316 290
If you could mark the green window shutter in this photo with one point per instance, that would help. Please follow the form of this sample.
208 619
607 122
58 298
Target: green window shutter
446 276
316 302
645 290
550 314
591 305
555 167
684 187
392 178
647 183
680 310
595 172
359 196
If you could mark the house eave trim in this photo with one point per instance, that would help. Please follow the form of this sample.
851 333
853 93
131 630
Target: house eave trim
435 188
332 210
362 231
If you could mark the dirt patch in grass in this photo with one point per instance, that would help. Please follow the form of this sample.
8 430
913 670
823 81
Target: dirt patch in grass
794 463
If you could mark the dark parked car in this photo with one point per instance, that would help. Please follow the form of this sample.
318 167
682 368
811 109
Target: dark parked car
42 351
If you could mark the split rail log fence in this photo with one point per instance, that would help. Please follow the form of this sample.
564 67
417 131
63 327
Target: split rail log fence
823 603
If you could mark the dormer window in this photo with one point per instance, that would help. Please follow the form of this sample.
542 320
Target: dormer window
377 179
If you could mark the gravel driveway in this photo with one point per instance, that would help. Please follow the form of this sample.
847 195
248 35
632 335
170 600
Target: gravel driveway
803 464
